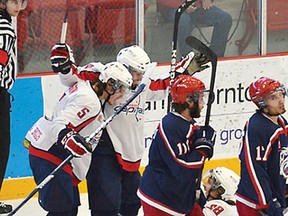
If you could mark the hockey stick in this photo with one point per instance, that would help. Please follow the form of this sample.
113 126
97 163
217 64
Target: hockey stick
65 23
202 48
178 14
42 184
141 87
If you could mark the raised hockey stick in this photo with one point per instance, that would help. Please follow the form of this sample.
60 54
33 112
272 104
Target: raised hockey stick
65 23
178 14
141 87
202 48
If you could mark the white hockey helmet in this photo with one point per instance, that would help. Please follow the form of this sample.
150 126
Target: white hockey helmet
226 182
117 72
134 58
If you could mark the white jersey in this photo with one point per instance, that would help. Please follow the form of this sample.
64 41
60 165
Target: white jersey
89 72
126 131
219 207
79 109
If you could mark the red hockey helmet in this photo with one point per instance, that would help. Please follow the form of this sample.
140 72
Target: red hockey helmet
185 86
262 87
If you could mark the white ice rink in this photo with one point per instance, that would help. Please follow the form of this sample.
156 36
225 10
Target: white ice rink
32 208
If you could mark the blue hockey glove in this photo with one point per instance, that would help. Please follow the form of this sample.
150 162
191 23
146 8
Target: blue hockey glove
274 208
205 141
61 58
73 142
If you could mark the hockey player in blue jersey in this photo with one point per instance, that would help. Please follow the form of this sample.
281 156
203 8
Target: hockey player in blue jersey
263 152
177 153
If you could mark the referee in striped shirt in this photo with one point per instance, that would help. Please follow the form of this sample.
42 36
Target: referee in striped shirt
8 9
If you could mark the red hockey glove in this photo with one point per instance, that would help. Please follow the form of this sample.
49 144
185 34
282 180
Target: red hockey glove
61 58
73 142
205 141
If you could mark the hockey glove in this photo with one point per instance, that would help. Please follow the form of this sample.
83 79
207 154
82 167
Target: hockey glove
192 63
61 58
73 142
274 208
197 64
205 141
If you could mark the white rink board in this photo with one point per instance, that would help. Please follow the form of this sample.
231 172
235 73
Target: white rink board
231 107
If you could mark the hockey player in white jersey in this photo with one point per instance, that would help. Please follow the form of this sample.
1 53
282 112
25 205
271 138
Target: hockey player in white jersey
219 188
77 114
114 168
127 146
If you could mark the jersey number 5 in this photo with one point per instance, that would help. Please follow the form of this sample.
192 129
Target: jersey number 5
83 112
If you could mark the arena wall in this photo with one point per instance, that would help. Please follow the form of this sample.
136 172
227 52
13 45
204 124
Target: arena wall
35 96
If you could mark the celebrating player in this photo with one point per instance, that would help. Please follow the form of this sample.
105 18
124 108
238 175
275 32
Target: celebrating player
114 167
263 152
177 153
77 114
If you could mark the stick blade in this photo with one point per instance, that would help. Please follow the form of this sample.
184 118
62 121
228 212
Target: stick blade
201 47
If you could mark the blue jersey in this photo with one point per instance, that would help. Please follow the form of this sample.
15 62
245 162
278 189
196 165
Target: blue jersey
260 152
169 180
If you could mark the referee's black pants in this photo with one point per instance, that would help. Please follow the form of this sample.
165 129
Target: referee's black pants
4 131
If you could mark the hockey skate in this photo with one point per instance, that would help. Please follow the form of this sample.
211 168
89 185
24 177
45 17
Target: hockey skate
5 208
